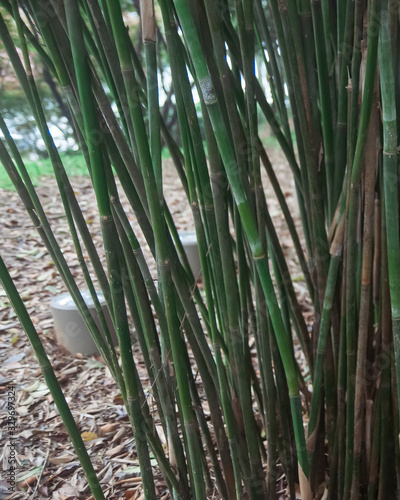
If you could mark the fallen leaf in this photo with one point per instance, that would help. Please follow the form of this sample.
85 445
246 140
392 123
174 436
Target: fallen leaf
61 459
15 358
115 451
106 429
118 400
32 387
26 478
89 436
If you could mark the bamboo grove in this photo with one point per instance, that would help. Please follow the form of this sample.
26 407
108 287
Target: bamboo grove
333 74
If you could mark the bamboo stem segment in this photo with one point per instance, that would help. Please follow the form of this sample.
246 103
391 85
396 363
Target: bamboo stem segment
296 319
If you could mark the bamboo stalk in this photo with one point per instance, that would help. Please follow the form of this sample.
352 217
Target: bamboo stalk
255 344
390 176
109 233
364 315
358 165
51 381
247 220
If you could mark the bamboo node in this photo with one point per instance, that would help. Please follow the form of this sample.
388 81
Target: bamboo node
391 153
259 257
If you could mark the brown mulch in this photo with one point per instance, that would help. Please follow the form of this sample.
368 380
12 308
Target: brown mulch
47 464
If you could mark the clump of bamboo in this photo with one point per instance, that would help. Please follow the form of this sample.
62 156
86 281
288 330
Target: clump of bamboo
330 424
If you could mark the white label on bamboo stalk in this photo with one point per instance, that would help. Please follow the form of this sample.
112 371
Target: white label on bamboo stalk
207 90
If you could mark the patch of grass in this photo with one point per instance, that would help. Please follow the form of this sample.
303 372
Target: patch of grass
272 142
165 153
74 165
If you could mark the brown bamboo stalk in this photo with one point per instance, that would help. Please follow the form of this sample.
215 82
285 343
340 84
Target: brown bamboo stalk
366 279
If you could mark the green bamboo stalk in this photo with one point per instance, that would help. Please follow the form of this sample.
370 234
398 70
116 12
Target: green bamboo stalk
295 311
174 61
375 451
247 220
354 85
104 51
206 276
390 176
220 194
345 44
51 381
304 14
67 194
286 445
226 403
330 27
325 102
236 300
32 204
31 37
276 81
289 220
109 234
149 40
386 348
245 16
269 395
341 424
160 377
395 419
316 213
185 106
264 105
240 341
161 247
92 252
336 252
304 203
353 204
